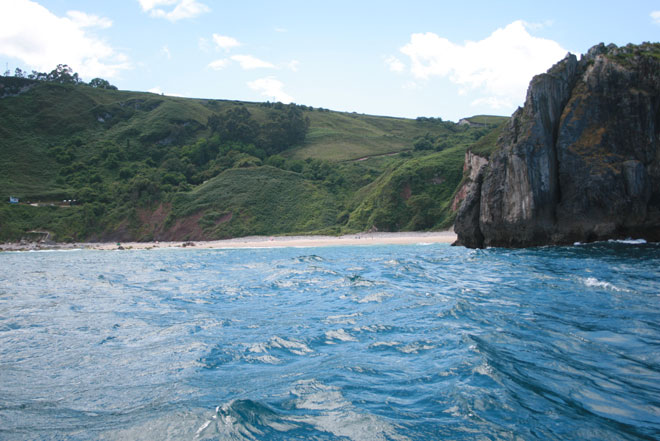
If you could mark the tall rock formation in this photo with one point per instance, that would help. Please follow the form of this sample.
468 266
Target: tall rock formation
580 161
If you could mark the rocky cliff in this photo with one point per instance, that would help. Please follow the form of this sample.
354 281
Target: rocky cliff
579 162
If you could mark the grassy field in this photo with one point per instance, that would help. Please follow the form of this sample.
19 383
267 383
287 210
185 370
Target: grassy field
336 137
487 119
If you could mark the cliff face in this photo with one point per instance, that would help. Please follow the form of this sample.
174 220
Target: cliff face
579 162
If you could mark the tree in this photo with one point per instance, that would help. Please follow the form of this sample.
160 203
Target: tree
427 142
100 83
18 73
285 127
39 76
235 125
63 74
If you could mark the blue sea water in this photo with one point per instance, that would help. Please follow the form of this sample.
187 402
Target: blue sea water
420 342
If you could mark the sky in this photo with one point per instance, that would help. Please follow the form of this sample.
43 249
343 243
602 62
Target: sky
446 59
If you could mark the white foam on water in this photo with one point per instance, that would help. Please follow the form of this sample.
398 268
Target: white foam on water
629 241
343 318
340 335
414 348
374 297
268 359
388 344
592 282
338 416
293 346
259 348
203 428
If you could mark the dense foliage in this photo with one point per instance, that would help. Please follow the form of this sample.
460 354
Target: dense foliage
100 164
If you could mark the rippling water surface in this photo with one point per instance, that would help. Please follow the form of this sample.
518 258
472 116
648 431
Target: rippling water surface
424 342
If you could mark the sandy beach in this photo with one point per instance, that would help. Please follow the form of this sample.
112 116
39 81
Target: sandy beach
254 242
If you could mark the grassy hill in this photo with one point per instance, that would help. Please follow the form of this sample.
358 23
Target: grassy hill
144 166
337 136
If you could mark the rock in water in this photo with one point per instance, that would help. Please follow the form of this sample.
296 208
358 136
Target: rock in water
580 161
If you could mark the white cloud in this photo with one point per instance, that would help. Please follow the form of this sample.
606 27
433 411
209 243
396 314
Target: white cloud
248 62
293 65
224 42
498 67
83 20
270 88
40 39
181 8
166 51
655 16
394 64
219 64
157 90
281 30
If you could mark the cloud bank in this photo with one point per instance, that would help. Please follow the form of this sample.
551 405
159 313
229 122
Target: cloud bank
498 67
270 88
176 9
40 39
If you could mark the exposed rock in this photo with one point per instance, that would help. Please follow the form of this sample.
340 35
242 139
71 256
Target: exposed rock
471 168
580 161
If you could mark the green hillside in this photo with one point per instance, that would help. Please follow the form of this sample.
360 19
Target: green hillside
144 166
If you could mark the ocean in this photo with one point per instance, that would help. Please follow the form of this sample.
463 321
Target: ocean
397 342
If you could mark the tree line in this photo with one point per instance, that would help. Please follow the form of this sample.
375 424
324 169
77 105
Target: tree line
62 74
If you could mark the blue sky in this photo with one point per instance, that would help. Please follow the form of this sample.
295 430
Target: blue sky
413 58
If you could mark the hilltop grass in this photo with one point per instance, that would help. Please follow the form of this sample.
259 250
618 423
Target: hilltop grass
487 119
338 137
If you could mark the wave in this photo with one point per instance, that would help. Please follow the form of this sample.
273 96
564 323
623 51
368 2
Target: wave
592 282
314 412
293 346
338 334
629 241
245 420
330 412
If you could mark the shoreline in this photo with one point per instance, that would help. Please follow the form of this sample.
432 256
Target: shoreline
358 239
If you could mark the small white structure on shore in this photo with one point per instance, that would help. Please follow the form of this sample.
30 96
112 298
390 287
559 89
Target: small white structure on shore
13 200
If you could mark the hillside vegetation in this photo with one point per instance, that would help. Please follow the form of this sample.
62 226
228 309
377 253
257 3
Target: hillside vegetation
143 166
